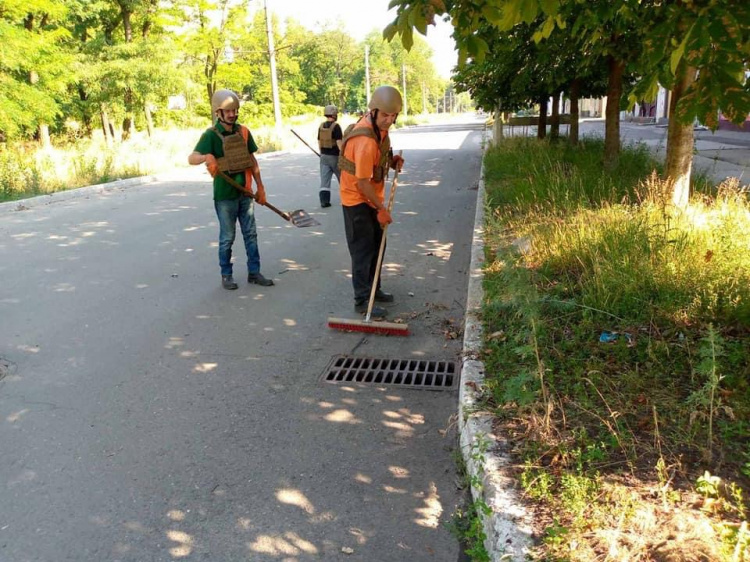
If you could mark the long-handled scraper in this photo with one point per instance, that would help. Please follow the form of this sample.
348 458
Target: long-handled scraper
298 218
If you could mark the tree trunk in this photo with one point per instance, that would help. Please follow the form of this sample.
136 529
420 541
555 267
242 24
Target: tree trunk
612 114
554 130
127 26
497 131
575 88
149 120
128 123
105 125
680 141
127 127
541 128
44 137
83 95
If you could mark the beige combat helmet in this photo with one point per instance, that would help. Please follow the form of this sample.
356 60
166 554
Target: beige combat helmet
387 99
330 110
224 99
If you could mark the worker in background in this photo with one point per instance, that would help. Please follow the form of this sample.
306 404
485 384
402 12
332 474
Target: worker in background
329 141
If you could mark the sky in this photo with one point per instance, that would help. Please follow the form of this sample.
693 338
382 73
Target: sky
359 18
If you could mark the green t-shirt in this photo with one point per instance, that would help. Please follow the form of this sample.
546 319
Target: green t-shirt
210 143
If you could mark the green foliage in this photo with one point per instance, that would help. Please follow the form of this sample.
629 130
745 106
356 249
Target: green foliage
573 252
77 64
630 259
515 52
467 522
34 66
705 402
519 71
537 483
561 177
711 39
467 527
25 172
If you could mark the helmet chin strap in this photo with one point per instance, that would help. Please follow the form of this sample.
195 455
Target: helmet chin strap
374 119
221 118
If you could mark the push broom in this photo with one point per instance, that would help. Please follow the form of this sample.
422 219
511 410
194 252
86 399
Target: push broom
367 325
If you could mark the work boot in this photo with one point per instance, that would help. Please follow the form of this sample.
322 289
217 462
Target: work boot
325 199
227 281
258 279
382 296
377 311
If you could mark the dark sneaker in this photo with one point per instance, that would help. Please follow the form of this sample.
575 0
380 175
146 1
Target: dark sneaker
258 279
382 296
377 311
324 205
227 281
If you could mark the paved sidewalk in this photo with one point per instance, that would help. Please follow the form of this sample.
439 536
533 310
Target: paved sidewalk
720 155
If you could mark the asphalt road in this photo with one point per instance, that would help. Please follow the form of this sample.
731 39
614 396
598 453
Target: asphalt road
148 415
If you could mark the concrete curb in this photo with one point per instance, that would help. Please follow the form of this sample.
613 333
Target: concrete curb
68 194
507 527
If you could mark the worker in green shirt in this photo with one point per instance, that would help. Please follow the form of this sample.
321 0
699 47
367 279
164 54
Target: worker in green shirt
228 147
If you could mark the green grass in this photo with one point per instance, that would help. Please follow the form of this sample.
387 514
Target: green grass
574 255
27 170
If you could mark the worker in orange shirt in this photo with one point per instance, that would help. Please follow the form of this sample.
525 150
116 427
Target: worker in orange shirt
364 161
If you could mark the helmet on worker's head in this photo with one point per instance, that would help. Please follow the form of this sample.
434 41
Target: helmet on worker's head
387 99
224 99
330 110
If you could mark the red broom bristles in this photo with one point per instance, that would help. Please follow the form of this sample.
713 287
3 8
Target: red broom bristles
382 328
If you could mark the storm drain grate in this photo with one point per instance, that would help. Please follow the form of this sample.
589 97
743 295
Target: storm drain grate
411 373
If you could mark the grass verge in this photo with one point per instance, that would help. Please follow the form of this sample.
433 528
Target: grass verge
617 347
26 170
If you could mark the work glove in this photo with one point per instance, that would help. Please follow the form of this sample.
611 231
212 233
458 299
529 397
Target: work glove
212 165
384 217
260 195
397 163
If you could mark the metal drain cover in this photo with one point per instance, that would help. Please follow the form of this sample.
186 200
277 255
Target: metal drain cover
425 374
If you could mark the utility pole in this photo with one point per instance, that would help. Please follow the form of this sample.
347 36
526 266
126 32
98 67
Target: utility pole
272 57
367 74
403 81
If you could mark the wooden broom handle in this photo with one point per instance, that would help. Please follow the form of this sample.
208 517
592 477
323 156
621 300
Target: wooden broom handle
381 251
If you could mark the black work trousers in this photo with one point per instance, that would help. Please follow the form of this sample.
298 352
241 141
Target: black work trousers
363 236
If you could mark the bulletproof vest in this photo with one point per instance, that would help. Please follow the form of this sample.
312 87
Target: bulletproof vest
380 170
237 157
325 135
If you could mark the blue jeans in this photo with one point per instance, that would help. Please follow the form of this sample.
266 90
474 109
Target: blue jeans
229 211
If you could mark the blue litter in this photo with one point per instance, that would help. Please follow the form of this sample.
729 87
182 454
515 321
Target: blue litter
609 337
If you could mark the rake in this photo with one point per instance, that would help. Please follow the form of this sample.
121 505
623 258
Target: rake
305 143
298 218
367 325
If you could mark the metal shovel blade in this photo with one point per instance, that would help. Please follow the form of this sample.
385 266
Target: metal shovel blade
301 219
